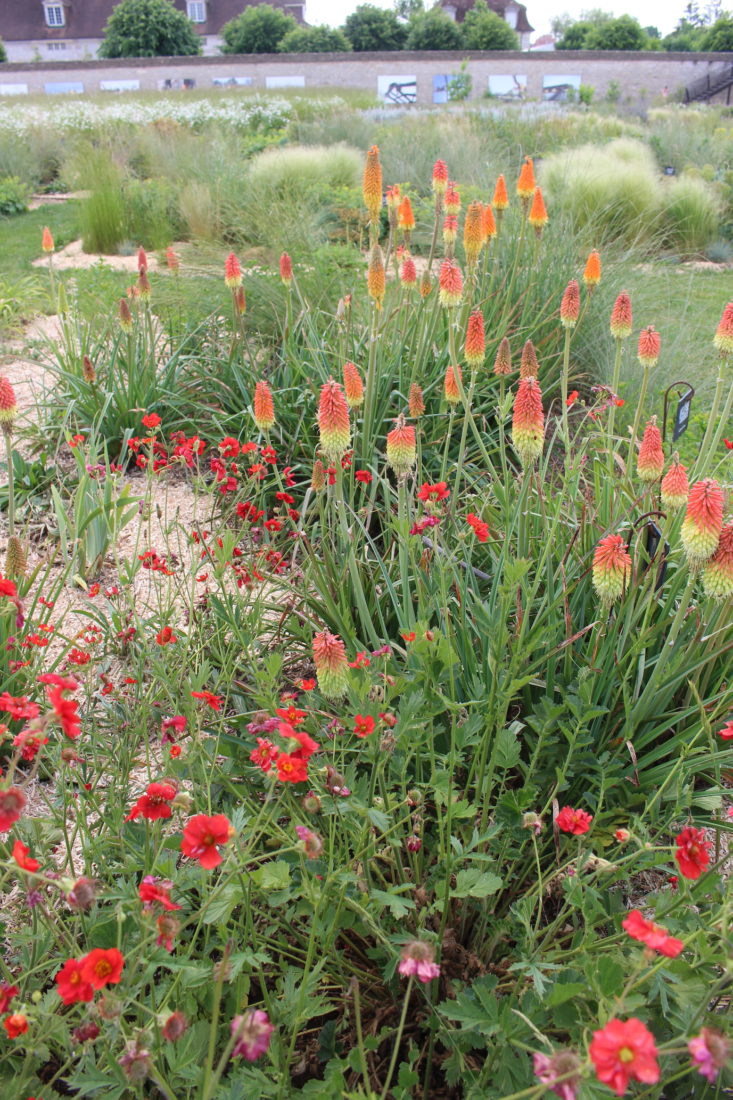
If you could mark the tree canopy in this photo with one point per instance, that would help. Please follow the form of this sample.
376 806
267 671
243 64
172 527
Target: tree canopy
258 29
434 30
720 35
320 39
483 29
149 28
371 28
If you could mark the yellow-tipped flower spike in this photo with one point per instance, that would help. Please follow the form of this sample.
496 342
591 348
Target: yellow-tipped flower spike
450 230
425 284
650 462
232 272
592 273
452 199
401 447
264 407
703 522
451 284
570 305
318 476
528 421
405 216
142 261
353 386
408 272
529 367
649 345
473 234
47 244
538 217
621 317
8 404
333 421
376 276
440 177
329 655
125 315
450 385
372 185
488 223
611 568
503 361
500 201
723 338
526 184
286 269
717 575
415 401
675 486
16 559
475 346
143 287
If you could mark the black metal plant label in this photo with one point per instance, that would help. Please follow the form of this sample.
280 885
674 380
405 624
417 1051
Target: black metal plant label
682 416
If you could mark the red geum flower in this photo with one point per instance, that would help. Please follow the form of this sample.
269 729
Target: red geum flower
211 700
291 768
623 1051
166 636
433 493
15 1025
651 934
265 753
203 836
65 710
307 745
7 992
71 985
693 852
727 731
480 528
102 966
12 802
20 855
153 891
155 803
18 706
573 821
291 714
363 725
151 421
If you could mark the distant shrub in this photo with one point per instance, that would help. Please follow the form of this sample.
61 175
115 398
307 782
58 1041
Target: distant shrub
434 30
689 214
314 40
13 196
151 213
290 169
199 210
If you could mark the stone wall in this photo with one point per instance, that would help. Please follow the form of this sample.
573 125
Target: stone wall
398 77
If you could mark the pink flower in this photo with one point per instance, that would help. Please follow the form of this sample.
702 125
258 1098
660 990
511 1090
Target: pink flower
623 1051
252 1033
562 1063
709 1051
653 935
418 959
573 821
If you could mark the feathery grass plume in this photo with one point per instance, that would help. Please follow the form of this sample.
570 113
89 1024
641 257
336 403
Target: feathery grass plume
503 360
329 655
570 305
451 284
488 223
318 476
528 421
87 367
172 259
426 284
333 421
16 559
143 287
538 217
675 486
621 317
240 301
723 339
125 316
232 272
47 244
353 385
408 272
142 261
500 201
475 346
700 533
592 273
526 184
611 568
405 216
401 447
440 177
450 385
8 404
372 184
650 462
473 234
717 574
450 231
452 199
376 276
415 401
263 406
529 367
286 269
649 344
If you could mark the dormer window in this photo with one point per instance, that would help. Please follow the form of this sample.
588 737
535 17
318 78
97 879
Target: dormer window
55 16
197 11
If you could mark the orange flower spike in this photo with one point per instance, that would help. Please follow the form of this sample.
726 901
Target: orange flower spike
538 217
723 339
286 269
125 315
405 216
408 272
232 272
451 199
526 184
650 463
500 201
415 401
717 575
570 305
329 656
333 421
142 261
172 259
592 273
240 301
401 447
621 317
440 177
47 244
649 344
353 386
475 346
450 386
700 533
450 231
318 476
528 421
264 407
376 276
675 486
425 284
8 404
529 367
488 223
143 286
451 284
372 185
473 234
611 568
503 360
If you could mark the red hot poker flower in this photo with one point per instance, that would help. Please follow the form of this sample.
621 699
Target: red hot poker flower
592 273
570 305
611 568
475 347
333 421
649 345
693 852
203 836
623 1051
102 966
621 317
500 200
650 463
651 934
329 655
700 532
573 821
232 272
723 339
286 269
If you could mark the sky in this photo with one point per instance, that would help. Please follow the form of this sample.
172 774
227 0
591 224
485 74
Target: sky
655 13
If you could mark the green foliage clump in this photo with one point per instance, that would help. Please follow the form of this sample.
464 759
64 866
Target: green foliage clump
434 30
102 212
258 29
149 28
485 30
3 52
372 28
719 37
151 212
606 33
13 196
314 40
